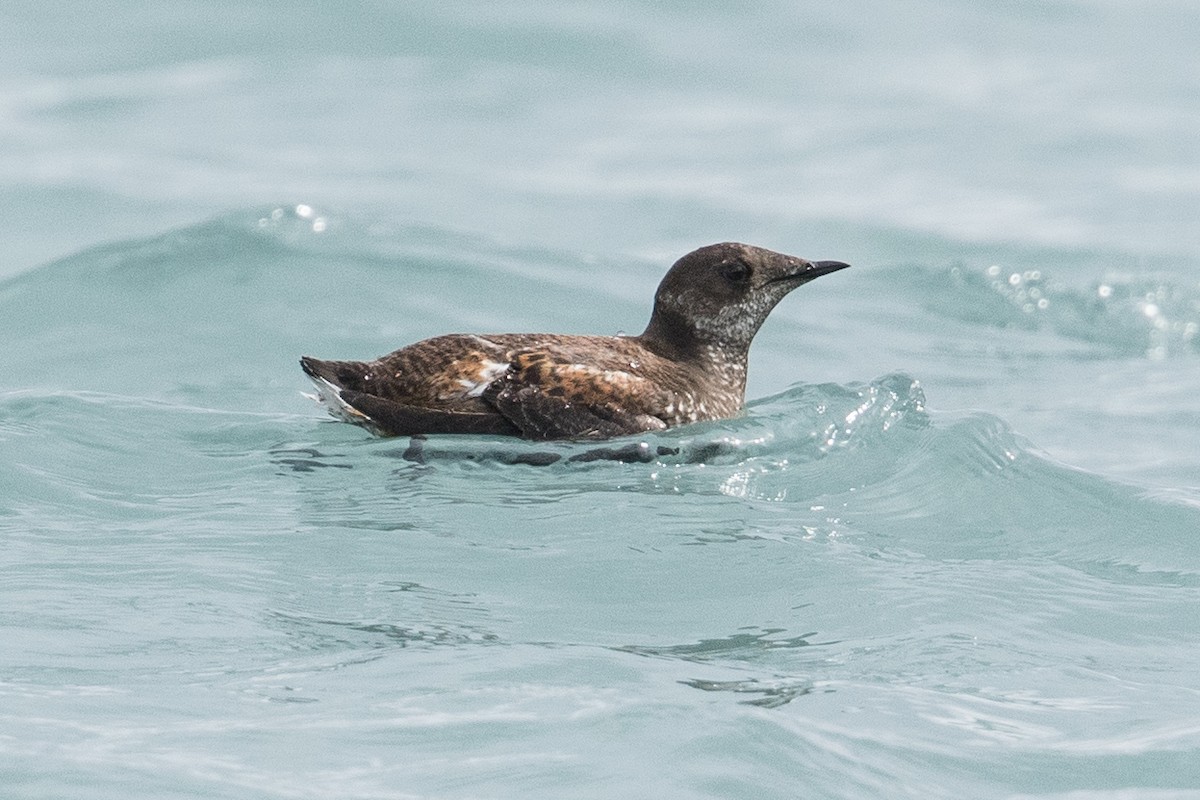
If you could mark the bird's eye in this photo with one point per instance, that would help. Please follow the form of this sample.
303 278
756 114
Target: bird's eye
736 272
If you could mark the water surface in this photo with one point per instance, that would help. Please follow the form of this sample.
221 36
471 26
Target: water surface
949 551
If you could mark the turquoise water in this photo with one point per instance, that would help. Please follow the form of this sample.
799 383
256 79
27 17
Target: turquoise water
950 550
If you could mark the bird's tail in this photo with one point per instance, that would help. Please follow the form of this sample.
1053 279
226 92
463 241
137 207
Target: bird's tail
342 374
330 378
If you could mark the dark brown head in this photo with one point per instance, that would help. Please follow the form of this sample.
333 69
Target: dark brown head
720 295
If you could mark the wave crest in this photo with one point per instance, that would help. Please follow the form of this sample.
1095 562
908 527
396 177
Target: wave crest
1128 313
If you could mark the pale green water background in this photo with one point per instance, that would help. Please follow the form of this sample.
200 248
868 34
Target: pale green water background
952 550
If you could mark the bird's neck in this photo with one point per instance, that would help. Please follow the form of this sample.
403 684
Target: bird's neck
669 335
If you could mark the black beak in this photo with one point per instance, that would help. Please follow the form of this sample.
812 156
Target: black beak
810 271
820 268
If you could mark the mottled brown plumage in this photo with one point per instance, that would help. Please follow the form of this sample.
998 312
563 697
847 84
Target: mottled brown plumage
688 365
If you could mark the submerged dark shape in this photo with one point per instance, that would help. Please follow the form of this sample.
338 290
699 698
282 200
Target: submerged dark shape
688 365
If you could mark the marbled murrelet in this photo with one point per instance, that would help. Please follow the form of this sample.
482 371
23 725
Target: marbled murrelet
688 365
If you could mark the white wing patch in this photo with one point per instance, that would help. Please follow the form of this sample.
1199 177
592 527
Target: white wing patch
488 372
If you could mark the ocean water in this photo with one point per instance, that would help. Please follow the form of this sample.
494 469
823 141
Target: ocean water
951 550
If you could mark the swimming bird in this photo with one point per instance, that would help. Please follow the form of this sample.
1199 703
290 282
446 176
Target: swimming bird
688 365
